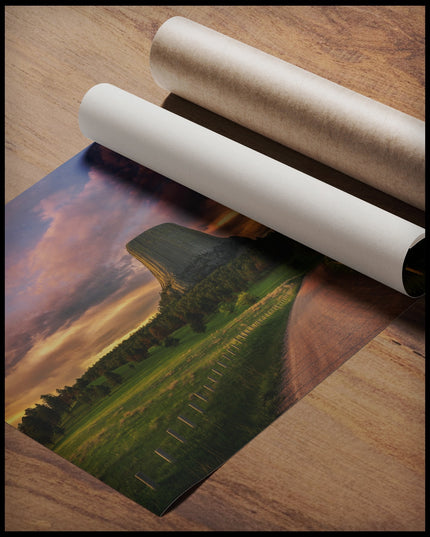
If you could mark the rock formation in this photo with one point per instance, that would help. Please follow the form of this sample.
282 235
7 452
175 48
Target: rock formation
180 257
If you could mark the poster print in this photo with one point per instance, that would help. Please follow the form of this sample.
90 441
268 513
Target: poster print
151 332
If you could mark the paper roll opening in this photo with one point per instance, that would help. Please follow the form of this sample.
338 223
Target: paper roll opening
414 270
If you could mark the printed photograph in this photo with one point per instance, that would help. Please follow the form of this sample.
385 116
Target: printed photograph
150 332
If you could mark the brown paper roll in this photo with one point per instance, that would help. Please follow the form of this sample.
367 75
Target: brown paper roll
365 139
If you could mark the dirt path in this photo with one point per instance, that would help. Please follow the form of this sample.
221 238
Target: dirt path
337 311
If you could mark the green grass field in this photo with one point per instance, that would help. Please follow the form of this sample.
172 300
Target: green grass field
229 375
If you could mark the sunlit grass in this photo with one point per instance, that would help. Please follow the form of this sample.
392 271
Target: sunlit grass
117 437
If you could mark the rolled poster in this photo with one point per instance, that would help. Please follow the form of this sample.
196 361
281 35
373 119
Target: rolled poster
335 223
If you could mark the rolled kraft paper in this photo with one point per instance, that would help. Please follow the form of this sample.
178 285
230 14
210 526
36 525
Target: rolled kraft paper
365 139
312 212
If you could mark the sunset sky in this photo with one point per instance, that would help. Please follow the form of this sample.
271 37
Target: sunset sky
72 290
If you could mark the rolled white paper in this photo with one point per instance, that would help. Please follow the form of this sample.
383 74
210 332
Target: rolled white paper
361 137
347 229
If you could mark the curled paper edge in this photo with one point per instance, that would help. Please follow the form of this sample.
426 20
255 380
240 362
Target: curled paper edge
351 231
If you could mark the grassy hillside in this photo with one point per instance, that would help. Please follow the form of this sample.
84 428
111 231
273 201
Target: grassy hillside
224 382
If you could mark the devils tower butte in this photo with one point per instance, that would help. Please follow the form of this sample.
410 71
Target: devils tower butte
180 257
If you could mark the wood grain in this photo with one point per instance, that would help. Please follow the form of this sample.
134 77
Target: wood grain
349 455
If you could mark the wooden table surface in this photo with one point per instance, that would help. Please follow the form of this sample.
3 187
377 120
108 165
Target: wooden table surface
350 454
